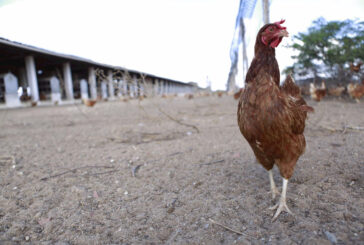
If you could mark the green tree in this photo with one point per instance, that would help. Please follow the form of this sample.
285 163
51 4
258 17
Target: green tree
327 49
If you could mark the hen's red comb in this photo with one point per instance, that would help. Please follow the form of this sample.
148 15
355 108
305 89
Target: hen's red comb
278 23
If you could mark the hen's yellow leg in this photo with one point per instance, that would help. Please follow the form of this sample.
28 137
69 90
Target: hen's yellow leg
282 205
273 187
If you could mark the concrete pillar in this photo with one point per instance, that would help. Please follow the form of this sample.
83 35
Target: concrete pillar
156 87
120 88
141 88
104 90
111 84
135 81
55 90
124 84
84 89
131 88
68 84
161 85
32 77
92 82
11 90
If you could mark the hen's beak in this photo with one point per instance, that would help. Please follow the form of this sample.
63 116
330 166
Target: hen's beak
283 33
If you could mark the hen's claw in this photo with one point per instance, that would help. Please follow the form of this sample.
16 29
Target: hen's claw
273 207
282 206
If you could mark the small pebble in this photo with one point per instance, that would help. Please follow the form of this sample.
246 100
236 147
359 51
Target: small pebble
112 160
27 238
170 210
126 193
331 237
14 166
14 188
189 133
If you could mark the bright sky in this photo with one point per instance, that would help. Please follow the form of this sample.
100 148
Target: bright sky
186 40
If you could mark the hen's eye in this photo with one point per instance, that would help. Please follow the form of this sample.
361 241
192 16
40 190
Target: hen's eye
271 29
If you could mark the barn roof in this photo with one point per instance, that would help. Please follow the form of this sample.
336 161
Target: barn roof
16 51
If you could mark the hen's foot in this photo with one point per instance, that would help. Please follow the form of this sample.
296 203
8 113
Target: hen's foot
282 206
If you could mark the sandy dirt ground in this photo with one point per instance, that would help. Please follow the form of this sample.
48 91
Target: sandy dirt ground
126 173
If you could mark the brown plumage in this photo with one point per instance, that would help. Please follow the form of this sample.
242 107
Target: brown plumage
238 94
356 91
189 96
317 93
337 91
272 117
355 68
89 102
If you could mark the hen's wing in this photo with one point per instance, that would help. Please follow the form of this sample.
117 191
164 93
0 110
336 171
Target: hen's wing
298 105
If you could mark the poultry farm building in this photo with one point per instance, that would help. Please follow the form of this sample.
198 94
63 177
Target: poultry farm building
31 76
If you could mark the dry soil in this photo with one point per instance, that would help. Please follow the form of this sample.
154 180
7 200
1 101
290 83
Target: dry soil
134 173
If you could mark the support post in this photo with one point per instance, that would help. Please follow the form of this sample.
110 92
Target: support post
68 84
111 84
55 90
84 89
92 82
11 90
32 77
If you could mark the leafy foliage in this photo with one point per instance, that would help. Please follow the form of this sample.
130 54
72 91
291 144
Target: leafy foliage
328 48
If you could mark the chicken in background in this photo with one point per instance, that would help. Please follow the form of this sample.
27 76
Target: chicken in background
89 102
238 94
337 91
317 93
272 117
189 96
356 91
355 68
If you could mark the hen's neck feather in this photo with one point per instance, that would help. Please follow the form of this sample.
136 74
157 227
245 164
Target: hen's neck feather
264 60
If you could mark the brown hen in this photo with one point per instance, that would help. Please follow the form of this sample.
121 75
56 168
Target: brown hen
356 91
272 117
318 93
